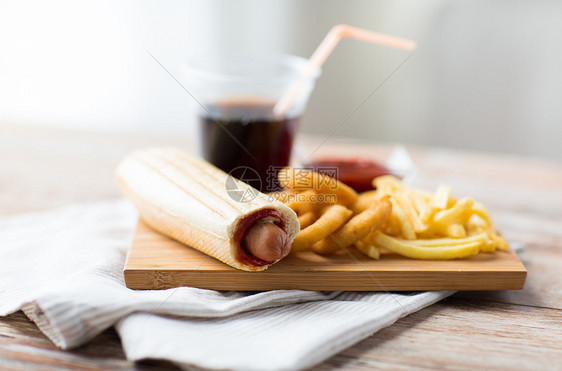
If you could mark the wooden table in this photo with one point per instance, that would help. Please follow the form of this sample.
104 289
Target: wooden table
41 168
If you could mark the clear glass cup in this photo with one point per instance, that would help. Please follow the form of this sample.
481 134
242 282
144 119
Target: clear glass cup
238 131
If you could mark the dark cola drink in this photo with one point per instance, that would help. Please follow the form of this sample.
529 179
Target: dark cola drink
247 141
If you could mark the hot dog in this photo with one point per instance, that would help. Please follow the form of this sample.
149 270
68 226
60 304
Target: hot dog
185 198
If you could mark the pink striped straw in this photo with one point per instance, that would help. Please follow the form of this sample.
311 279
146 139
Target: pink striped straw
326 48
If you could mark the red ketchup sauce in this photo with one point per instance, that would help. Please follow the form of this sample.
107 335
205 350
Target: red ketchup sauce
245 224
355 172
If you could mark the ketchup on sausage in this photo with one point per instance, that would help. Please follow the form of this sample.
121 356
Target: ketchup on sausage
260 242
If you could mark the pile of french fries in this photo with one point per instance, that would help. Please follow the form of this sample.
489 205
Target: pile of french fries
425 225
401 219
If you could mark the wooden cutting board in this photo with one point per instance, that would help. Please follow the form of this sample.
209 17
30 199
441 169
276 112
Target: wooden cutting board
158 262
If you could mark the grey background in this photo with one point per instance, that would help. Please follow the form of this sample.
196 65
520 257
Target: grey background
486 76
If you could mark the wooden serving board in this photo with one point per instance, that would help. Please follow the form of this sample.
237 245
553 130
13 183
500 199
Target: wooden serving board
158 262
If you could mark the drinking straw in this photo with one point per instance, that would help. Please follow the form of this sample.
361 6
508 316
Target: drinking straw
324 50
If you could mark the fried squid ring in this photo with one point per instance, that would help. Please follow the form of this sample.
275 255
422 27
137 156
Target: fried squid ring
333 218
304 179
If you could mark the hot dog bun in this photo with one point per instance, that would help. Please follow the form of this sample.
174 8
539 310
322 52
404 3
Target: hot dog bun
185 198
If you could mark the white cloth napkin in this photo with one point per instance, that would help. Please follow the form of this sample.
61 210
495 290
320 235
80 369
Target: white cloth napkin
63 268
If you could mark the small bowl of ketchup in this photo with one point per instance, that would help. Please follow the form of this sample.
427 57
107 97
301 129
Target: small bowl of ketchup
358 173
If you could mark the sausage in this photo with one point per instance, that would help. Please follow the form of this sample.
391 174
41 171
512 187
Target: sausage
266 241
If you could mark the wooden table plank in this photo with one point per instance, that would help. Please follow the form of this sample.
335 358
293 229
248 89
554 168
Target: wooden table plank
458 333
23 346
543 287
41 168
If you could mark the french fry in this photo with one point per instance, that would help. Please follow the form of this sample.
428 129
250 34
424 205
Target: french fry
371 251
489 245
453 215
482 212
411 250
476 224
391 226
407 228
438 242
410 211
421 203
356 229
426 194
456 231
500 243
333 218
441 197
387 184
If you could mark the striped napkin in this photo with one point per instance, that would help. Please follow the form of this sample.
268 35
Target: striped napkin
63 268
